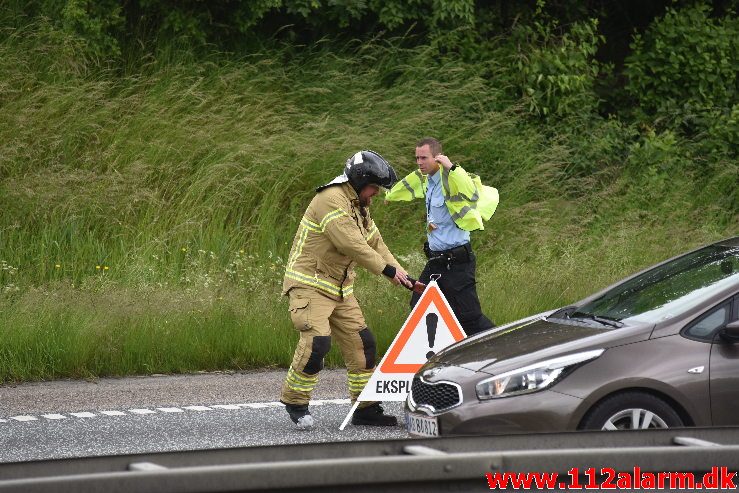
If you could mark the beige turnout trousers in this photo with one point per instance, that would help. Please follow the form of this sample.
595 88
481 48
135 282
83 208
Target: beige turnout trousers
320 319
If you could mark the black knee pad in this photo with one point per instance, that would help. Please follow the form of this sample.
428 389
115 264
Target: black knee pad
370 347
320 348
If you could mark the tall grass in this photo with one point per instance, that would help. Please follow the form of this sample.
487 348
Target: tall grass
145 217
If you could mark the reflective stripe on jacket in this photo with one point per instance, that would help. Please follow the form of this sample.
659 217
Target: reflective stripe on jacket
332 238
467 199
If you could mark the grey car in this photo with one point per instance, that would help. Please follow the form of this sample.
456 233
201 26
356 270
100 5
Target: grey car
659 349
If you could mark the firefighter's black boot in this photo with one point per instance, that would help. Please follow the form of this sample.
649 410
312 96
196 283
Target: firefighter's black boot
300 415
373 416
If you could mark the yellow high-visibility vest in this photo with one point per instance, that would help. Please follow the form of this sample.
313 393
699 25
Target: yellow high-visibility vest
469 201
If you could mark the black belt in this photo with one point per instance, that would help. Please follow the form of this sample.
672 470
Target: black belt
459 255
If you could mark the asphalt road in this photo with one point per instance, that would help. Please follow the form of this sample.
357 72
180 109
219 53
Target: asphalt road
165 413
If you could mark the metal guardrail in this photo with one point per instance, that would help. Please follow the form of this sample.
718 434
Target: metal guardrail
444 464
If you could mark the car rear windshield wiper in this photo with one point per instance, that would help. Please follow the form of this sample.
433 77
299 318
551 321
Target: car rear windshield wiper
592 316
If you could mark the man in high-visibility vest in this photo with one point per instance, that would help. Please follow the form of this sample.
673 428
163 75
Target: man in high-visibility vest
456 203
335 234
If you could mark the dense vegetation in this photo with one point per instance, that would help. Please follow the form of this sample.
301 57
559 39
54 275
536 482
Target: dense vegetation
155 159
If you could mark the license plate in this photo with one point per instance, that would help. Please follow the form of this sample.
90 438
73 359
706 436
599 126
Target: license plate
424 426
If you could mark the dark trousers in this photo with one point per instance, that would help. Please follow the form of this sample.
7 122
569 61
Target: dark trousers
458 284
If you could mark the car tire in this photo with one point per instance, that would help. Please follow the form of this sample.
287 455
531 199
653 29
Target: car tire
630 411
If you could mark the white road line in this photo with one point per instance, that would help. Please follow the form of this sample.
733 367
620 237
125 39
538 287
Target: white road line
261 405
144 411
84 415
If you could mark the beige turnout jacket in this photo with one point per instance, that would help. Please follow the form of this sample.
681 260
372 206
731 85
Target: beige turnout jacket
332 238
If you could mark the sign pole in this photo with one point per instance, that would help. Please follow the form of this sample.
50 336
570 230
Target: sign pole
351 411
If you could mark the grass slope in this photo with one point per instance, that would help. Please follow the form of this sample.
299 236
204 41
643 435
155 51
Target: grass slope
145 218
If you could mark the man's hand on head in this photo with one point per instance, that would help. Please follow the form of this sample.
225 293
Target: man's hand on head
444 161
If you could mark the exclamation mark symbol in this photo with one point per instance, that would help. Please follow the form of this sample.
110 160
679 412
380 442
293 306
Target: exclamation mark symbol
432 320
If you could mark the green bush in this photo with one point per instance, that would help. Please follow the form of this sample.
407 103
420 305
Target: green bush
722 131
97 22
109 26
655 159
683 73
556 73
86 31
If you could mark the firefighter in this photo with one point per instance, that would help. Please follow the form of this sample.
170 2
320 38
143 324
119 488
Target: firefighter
456 203
335 234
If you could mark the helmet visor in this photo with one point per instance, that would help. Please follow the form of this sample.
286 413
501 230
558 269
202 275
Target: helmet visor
381 173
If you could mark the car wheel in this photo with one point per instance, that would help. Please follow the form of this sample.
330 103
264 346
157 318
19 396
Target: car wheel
631 411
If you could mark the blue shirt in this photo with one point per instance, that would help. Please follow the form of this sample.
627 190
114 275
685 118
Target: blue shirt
446 235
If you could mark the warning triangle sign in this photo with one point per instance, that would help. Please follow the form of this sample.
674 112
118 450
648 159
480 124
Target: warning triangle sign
430 327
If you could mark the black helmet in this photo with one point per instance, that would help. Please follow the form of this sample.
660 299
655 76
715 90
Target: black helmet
368 167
